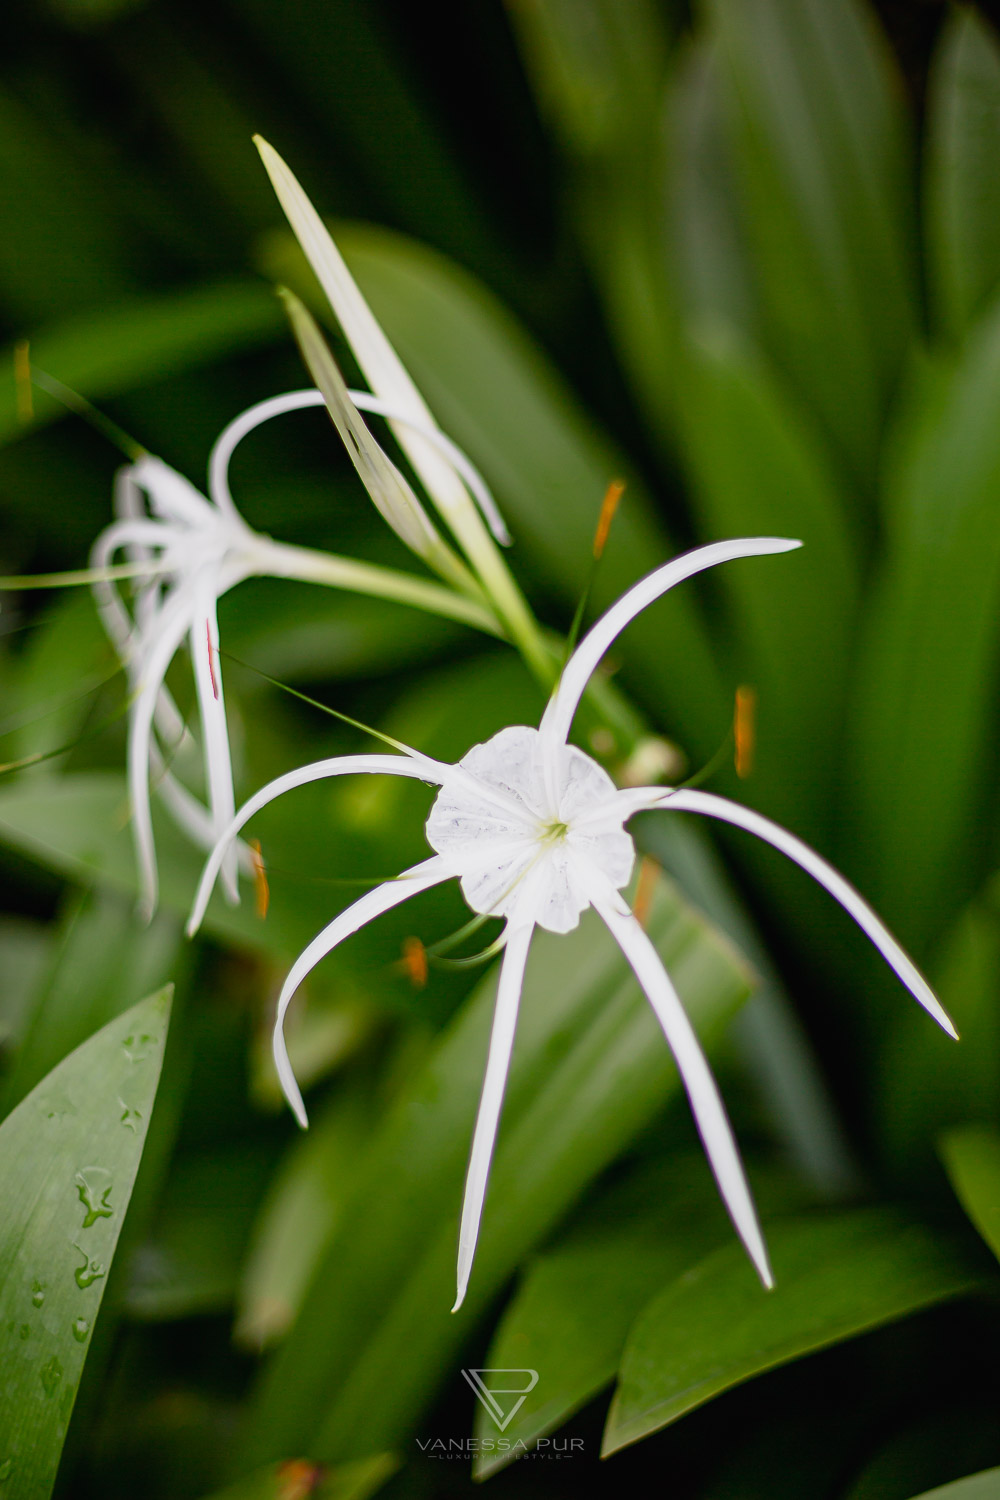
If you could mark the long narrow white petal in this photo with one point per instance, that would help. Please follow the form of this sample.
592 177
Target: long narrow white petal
706 1103
276 406
383 369
586 658
491 1099
214 729
418 878
191 815
173 627
419 768
822 872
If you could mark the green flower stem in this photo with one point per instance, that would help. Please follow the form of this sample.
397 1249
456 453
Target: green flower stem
287 561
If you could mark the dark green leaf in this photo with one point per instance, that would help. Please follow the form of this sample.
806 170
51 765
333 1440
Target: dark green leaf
836 1276
984 1486
962 186
972 1159
820 142
923 717
68 1159
106 354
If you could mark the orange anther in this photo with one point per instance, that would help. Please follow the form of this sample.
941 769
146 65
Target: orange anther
613 494
261 887
745 729
649 874
414 962
297 1479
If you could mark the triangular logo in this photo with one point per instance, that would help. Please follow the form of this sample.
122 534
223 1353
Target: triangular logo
490 1386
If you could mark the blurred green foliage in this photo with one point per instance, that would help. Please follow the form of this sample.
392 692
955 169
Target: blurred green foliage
746 255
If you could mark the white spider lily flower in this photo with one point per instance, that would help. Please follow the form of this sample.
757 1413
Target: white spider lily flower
187 551
409 415
534 830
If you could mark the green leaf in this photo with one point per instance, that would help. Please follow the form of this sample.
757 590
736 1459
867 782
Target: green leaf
298 1477
836 1276
68 1159
971 1157
297 1220
984 1486
925 1088
757 467
572 1311
962 187
923 716
190 1264
590 1070
101 958
105 354
819 138
493 391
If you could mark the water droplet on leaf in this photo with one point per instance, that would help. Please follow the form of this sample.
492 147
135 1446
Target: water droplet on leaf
80 1329
90 1271
6 1469
94 1185
51 1374
37 1293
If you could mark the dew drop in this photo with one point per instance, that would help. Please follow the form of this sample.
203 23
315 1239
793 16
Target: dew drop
51 1374
80 1329
90 1271
24 1331
93 1185
129 1116
6 1469
37 1293
137 1047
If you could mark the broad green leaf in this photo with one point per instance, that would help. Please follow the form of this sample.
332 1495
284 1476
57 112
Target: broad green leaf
705 241
105 354
926 1087
756 467
190 1263
101 958
984 1486
62 249
25 948
926 673
68 1159
962 190
837 1275
297 1219
570 1316
599 70
297 1478
819 140
495 394
971 1156
590 1070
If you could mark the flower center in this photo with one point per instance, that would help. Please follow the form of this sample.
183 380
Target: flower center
513 829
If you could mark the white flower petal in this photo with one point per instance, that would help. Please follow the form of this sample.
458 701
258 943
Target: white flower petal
214 730
420 768
419 878
176 622
494 1082
822 872
587 657
706 1103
